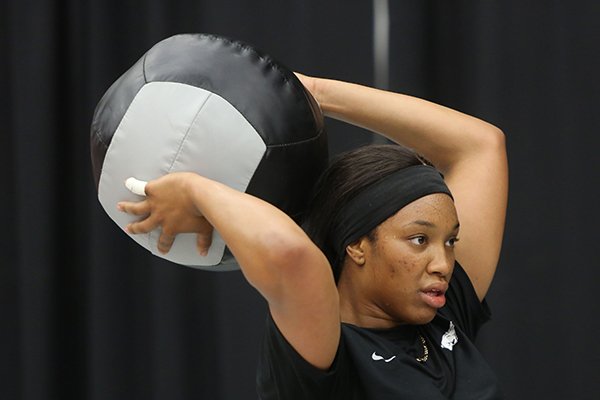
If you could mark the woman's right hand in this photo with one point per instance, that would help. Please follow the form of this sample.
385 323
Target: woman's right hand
169 205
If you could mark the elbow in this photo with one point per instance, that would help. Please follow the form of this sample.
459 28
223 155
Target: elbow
492 150
286 251
493 139
296 258
281 258
477 143
285 265
497 146
498 139
488 142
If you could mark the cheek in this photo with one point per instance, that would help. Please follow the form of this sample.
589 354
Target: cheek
398 261
403 267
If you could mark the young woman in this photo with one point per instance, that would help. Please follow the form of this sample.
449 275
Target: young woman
381 301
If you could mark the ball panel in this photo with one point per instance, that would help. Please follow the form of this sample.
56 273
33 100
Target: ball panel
286 174
162 112
221 145
174 127
110 110
267 93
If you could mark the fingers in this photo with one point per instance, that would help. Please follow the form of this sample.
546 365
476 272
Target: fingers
141 208
203 242
165 242
171 221
167 237
144 226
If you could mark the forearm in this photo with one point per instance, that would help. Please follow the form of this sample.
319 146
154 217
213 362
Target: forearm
264 240
444 136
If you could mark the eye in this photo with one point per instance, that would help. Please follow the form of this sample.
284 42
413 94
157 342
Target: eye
452 242
418 240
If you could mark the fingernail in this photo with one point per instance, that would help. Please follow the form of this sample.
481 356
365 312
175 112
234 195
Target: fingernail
204 252
119 206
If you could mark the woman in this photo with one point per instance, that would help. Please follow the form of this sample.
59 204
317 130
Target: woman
372 312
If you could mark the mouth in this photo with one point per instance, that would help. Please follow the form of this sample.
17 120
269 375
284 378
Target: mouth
434 297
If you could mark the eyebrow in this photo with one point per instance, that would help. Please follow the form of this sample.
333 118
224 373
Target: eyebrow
430 224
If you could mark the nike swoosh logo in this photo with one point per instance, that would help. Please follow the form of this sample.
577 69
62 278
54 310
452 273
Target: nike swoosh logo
377 357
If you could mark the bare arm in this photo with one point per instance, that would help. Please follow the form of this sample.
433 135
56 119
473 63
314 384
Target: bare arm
274 254
468 151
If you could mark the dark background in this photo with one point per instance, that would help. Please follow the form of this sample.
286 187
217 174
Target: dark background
87 314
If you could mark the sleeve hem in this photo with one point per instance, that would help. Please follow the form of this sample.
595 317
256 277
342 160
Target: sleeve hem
306 368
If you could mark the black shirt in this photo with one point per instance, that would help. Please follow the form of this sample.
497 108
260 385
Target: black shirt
382 364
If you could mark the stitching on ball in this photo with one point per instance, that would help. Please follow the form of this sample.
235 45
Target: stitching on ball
187 133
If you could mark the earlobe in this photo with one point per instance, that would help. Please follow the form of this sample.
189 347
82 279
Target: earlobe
356 252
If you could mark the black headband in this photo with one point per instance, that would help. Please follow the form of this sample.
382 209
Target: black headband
382 199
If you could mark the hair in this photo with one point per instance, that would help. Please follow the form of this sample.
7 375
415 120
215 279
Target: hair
347 175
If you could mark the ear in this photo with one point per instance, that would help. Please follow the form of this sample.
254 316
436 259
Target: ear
356 251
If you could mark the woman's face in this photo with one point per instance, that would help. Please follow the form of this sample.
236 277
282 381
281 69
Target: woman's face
409 263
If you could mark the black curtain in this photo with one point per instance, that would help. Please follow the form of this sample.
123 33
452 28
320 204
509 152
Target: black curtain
85 313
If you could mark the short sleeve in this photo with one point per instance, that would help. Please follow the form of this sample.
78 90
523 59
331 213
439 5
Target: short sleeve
283 373
462 304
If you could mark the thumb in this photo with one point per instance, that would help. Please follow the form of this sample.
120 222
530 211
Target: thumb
136 186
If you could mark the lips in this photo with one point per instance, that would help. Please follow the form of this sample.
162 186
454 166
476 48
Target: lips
435 295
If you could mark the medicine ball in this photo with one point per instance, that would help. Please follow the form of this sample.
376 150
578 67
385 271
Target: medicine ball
217 107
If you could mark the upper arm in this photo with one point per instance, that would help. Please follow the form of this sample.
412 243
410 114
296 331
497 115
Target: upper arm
303 301
479 184
282 263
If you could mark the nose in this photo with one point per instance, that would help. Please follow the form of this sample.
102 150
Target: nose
442 262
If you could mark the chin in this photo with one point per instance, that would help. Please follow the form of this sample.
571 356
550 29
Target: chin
422 317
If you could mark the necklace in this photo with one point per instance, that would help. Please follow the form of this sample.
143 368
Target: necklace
425 355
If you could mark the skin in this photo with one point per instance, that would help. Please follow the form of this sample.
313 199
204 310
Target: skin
382 280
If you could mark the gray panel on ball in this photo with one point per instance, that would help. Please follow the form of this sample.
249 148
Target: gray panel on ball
110 111
191 130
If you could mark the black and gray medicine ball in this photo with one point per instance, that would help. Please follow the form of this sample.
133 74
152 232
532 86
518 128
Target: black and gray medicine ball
217 107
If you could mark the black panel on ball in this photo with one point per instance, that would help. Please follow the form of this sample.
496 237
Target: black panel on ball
286 174
264 91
